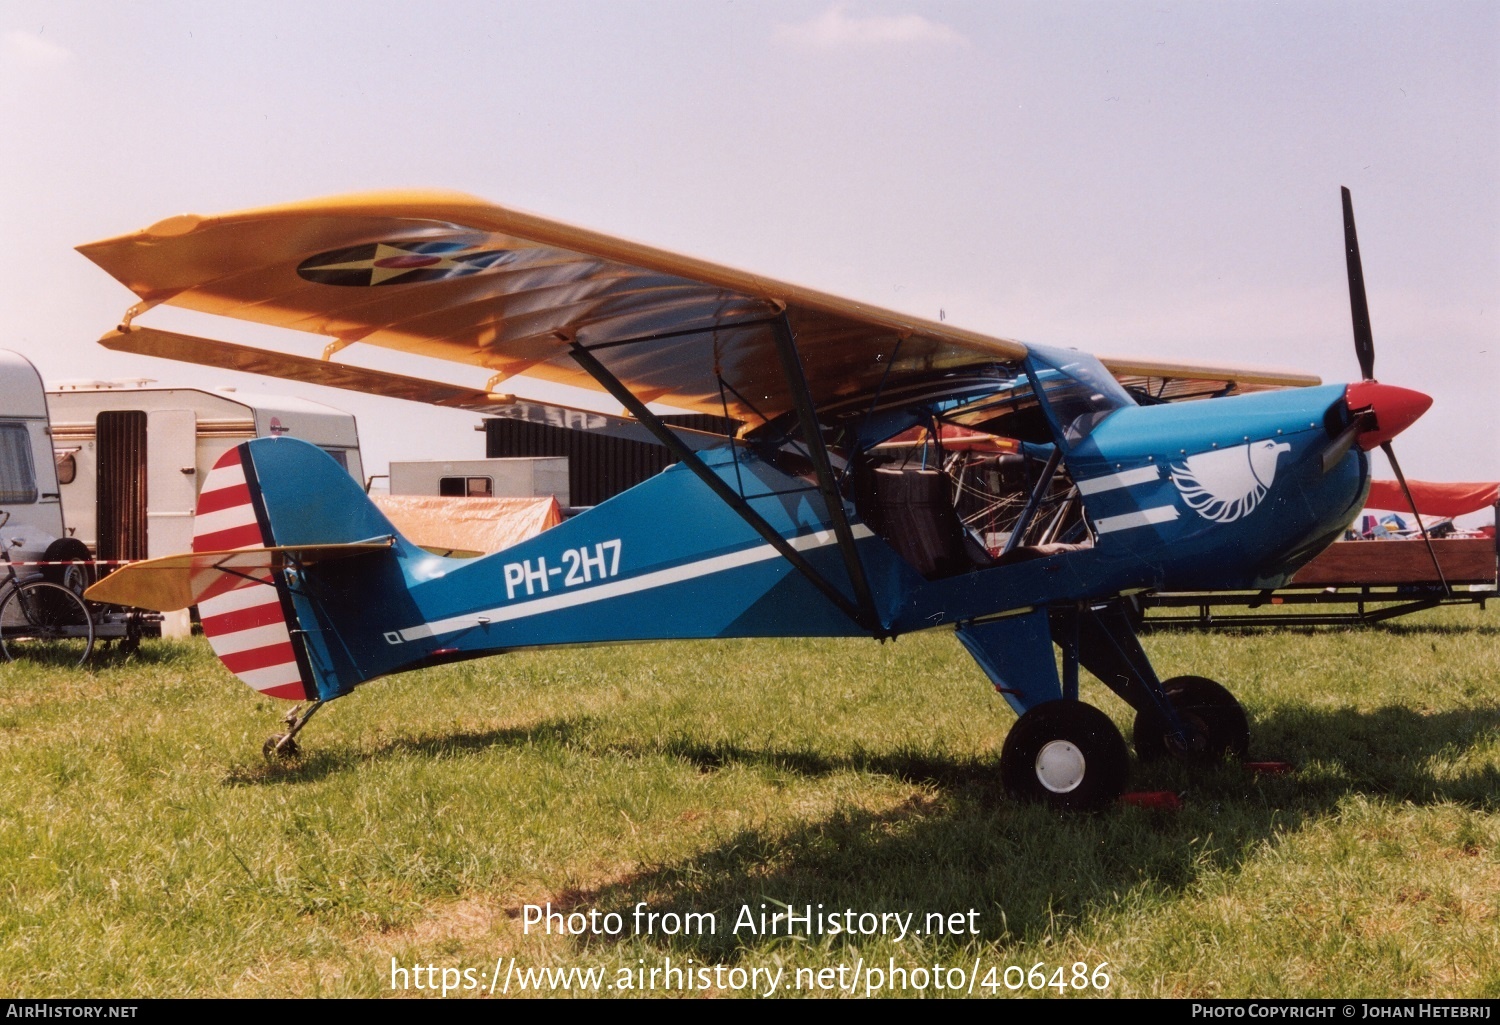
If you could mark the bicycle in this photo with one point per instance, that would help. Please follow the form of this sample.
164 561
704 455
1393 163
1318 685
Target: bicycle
40 620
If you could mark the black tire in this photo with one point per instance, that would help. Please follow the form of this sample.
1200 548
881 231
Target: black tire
1065 754
75 578
131 642
1215 722
45 622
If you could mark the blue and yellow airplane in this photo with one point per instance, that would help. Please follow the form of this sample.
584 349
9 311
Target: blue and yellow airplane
1105 478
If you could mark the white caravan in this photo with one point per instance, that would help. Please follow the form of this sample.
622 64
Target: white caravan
131 458
30 503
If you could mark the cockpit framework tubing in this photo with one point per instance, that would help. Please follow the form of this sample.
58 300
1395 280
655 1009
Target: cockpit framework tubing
862 610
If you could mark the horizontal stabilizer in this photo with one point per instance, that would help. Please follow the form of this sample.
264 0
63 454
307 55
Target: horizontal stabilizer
178 581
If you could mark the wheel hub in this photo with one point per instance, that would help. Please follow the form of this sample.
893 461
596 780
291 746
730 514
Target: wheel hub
1060 766
1195 731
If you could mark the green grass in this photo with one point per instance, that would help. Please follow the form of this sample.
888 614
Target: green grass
147 850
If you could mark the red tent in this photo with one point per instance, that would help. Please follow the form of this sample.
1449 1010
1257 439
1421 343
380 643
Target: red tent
1445 499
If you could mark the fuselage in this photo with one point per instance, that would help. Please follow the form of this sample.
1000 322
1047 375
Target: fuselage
1223 494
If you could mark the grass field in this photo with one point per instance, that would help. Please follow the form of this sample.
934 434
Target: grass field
146 849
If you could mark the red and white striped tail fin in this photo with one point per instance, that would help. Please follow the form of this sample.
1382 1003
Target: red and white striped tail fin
243 617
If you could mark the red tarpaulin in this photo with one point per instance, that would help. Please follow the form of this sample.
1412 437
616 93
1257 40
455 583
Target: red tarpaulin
1446 499
954 439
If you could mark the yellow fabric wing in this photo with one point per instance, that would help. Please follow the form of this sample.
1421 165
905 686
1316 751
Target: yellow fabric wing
450 276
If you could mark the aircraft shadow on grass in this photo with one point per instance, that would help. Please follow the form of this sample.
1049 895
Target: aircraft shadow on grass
324 763
960 843
965 846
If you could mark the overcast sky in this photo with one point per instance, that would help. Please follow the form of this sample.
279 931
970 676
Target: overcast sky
1128 178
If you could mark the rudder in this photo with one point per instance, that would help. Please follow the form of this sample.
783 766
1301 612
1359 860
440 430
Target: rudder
250 619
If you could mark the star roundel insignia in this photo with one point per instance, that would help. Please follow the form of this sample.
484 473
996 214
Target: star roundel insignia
400 263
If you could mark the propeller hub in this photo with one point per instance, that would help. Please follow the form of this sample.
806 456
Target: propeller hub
1393 410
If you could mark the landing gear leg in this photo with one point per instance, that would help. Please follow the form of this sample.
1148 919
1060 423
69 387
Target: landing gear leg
1188 717
283 746
1061 752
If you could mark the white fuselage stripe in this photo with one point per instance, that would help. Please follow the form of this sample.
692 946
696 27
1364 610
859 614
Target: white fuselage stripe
1139 518
1125 479
631 585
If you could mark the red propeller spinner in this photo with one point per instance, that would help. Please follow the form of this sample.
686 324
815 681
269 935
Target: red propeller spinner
1387 410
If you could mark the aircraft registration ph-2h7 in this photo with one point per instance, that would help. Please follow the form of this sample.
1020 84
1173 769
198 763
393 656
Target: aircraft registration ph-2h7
1104 479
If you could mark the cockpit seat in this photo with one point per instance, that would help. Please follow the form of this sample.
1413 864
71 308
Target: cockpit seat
911 508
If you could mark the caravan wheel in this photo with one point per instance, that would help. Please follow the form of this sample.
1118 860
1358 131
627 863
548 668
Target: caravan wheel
75 578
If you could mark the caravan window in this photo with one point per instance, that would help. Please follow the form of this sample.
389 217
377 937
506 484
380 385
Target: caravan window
338 455
466 487
17 475
67 466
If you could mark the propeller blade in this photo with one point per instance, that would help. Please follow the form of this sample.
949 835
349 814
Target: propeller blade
1359 307
1390 453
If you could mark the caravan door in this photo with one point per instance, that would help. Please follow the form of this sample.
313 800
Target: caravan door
147 483
171 480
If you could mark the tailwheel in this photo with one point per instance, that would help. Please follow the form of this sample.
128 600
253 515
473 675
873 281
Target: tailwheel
1066 754
1214 722
283 746
280 747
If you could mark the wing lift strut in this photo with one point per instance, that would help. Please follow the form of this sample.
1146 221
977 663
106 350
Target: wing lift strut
862 608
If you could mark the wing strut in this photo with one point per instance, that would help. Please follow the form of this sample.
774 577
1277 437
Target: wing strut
864 616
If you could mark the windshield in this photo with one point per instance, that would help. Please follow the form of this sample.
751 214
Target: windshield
1076 390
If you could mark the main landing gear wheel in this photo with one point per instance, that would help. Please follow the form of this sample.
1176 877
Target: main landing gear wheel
1215 723
1065 754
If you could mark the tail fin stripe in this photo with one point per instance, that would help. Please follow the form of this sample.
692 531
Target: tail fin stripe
255 637
246 623
228 471
239 537
225 519
242 619
223 498
283 681
241 662
220 589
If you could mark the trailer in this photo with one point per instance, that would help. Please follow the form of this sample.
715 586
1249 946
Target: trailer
131 458
1361 580
28 475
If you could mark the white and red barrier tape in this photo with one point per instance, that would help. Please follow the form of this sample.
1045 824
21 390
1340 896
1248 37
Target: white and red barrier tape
75 562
